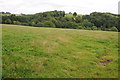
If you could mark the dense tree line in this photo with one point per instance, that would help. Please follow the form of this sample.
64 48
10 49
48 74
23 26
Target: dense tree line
104 21
59 19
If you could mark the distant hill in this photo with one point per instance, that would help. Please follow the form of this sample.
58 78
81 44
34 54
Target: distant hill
60 19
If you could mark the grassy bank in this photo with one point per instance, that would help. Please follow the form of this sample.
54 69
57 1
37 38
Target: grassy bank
32 52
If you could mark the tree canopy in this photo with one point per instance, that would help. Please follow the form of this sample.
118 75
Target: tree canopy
59 19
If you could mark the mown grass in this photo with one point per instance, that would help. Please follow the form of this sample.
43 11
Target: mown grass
31 52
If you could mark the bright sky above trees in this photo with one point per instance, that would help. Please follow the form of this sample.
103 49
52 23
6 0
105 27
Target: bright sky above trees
79 6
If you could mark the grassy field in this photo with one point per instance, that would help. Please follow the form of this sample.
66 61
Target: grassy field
32 52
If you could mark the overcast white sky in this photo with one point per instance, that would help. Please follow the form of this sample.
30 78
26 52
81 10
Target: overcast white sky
79 6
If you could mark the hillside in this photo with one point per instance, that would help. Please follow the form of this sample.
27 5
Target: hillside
60 19
39 52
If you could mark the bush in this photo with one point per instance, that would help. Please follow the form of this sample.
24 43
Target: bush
39 24
112 29
80 27
8 21
98 28
88 28
94 28
48 24
71 25
45 24
33 24
86 23
26 24
16 22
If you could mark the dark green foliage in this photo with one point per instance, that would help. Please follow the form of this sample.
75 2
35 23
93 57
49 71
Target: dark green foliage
32 23
16 22
106 20
39 24
78 19
94 28
58 19
88 28
47 24
8 21
86 23
74 14
80 27
112 29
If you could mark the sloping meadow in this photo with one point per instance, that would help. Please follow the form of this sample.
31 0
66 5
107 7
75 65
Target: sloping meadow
31 52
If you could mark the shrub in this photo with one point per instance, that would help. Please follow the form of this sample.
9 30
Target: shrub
16 22
80 27
86 23
112 29
48 24
94 28
8 21
33 24
88 28
39 24
45 24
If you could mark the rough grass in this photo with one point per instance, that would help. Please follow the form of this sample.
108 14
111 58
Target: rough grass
31 52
